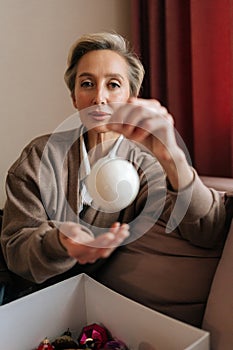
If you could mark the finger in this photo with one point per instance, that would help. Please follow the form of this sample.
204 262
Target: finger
144 102
114 227
120 235
118 118
112 239
135 120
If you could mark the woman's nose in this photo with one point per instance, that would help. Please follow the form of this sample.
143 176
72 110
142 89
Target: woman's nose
100 97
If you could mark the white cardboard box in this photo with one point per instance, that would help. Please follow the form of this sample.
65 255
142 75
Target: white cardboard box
79 301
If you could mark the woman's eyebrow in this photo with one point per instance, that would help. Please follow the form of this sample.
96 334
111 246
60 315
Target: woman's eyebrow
85 74
108 75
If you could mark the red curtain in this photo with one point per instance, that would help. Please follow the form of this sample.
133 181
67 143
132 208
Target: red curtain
186 47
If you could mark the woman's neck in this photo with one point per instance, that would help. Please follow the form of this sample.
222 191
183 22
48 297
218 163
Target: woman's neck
99 144
106 139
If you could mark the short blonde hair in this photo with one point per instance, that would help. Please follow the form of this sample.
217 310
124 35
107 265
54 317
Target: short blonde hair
104 41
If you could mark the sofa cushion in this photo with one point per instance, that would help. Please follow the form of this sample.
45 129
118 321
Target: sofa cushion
221 184
218 317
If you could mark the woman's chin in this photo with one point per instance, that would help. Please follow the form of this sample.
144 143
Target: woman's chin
98 128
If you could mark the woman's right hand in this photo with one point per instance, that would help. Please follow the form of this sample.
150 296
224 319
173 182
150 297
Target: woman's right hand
86 248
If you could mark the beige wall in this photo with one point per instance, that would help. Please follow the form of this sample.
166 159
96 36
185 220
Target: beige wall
35 36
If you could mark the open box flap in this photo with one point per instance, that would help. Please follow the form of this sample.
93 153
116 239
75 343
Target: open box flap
144 329
25 322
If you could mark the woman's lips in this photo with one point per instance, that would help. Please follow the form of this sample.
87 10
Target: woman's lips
99 116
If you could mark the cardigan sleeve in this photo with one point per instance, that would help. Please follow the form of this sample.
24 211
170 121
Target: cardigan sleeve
198 213
30 242
29 238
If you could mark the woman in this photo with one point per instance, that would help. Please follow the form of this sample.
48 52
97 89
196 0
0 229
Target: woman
50 225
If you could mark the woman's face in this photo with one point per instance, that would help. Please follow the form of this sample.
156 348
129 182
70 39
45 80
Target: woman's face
101 85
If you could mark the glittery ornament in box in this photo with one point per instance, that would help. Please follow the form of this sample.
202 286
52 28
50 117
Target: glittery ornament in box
80 301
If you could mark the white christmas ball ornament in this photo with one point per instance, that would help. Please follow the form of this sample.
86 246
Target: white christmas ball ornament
113 183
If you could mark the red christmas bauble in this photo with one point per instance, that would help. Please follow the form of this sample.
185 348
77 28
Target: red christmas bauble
45 345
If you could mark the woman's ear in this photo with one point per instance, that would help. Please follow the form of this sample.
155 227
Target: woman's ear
73 100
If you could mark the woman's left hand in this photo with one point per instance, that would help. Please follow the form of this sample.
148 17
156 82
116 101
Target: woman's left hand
149 123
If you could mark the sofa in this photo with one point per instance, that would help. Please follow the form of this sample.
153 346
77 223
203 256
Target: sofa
218 316
218 312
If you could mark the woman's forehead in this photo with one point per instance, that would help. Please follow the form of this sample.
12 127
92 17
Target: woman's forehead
108 62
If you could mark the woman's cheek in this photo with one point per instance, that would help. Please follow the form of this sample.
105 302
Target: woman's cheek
83 100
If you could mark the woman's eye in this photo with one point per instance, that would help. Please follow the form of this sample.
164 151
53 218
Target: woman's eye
114 85
86 84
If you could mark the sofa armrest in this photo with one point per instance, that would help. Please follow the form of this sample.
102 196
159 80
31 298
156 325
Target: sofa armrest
218 317
221 184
